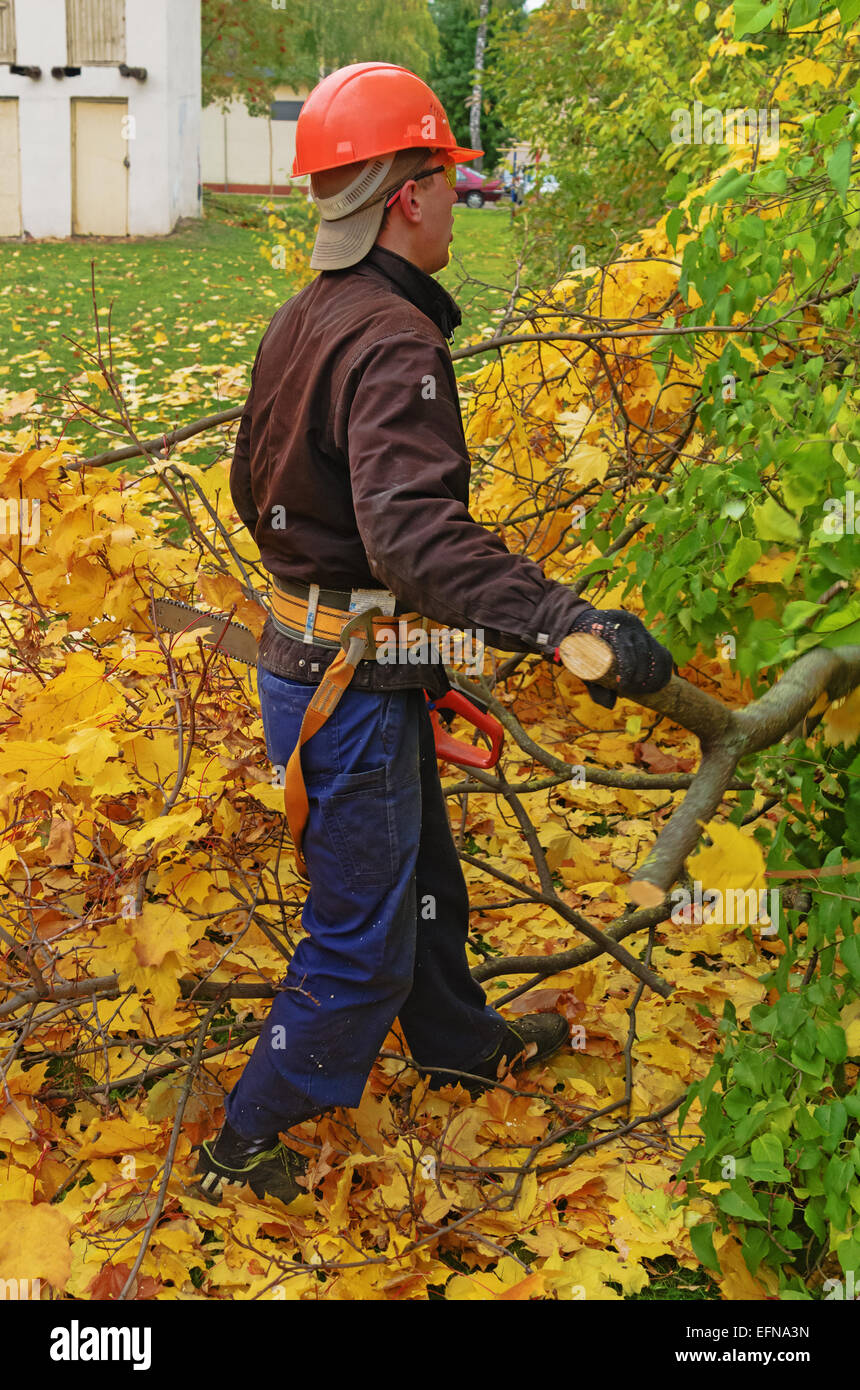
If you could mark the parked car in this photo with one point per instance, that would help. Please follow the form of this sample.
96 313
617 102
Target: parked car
548 184
475 189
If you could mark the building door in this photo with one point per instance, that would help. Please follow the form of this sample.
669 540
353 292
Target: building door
10 170
100 168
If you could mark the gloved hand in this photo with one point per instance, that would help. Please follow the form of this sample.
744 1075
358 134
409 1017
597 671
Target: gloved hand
642 664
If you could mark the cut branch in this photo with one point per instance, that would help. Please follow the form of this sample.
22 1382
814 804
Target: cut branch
725 736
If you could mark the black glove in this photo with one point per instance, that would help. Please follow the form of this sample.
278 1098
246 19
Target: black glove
642 665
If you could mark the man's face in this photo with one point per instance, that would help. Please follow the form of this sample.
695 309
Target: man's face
437 199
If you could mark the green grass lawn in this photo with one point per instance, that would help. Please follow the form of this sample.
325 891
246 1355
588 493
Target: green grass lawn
185 313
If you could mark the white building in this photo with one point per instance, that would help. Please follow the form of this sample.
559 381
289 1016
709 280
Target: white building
99 116
251 154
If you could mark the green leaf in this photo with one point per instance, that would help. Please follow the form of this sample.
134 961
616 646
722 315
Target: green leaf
807 1159
737 1102
763 1172
833 1119
731 185
801 12
677 187
702 1241
795 614
771 180
849 1254
790 1013
850 953
807 1128
805 480
831 1041
673 225
744 554
782 1209
839 168
805 243
837 1175
772 523
754 1247
751 16
749 1071
812 1066
738 1201
767 1149
813 1214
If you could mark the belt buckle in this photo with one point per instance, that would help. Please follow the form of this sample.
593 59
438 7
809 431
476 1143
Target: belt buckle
361 622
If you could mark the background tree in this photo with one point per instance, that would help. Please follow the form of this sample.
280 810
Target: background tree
594 89
242 46
452 72
325 37
250 47
478 85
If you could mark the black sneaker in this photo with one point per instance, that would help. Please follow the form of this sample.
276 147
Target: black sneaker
267 1165
547 1031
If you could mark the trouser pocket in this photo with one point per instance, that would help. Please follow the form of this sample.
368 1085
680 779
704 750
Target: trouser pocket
358 817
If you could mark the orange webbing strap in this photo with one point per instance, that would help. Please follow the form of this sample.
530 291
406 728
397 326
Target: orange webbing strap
360 631
325 700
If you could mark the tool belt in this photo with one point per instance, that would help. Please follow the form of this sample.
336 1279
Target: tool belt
352 624
310 614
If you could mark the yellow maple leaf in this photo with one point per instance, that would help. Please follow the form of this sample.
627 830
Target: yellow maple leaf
19 1184
842 720
850 1020
659 1052
223 592
771 568
158 929
176 825
105 1137
734 861
40 768
79 694
507 1281
34 1243
17 405
803 73
90 749
736 1281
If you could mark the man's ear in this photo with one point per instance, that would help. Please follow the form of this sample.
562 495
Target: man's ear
410 204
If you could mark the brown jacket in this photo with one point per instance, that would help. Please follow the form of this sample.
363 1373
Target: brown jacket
351 470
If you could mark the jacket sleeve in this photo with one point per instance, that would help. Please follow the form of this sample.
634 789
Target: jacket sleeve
409 468
240 469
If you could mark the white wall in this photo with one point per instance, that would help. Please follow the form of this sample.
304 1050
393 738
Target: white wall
183 48
212 144
244 139
162 36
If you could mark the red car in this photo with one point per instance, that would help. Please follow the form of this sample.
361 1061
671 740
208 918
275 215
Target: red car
474 189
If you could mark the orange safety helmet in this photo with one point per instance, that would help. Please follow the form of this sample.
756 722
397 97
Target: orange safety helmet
370 109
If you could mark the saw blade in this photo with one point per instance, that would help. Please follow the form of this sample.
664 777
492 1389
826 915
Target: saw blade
214 629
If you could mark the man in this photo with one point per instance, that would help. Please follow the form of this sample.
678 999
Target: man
351 471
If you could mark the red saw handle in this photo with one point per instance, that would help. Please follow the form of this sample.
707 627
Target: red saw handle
455 750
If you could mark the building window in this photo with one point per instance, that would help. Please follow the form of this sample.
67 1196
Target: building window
7 31
286 110
96 31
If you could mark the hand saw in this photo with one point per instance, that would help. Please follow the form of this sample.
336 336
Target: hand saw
215 629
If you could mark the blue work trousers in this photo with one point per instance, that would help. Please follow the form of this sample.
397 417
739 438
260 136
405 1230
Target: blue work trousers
386 915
